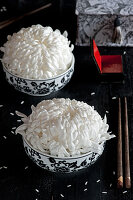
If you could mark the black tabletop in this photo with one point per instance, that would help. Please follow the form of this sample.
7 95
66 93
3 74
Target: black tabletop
21 179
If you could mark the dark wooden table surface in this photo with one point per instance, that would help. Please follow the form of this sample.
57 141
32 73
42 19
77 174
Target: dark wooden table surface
21 179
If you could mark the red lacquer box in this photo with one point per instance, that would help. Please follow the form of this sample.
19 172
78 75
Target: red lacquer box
109 67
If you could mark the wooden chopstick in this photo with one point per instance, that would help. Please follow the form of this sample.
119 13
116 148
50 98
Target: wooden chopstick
126 137
119 150
15 19
127 177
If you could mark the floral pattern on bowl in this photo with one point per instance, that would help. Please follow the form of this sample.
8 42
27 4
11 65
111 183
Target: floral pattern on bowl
55 164
40 87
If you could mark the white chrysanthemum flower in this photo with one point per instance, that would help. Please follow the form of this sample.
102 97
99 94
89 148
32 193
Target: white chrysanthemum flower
64 127
37 52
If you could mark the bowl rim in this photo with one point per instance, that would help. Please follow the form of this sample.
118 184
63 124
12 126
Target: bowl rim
60 158
48 79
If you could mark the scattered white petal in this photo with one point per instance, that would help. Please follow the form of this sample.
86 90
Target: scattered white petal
104 192
22 102
113 97
26 167
1 106
113 172
4 8
124 52
19 120
13 128
37 190
107 111
85 189
4 137
110 185
92 93
124 191
12 132
61 195
12 114
69 186
98 180
5 167
86 182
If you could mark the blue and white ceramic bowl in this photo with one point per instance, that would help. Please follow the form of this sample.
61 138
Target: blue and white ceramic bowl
40 87
56 164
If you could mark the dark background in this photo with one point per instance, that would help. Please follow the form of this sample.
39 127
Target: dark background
61 15
21 177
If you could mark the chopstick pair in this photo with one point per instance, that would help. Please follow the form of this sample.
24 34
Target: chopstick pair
120 155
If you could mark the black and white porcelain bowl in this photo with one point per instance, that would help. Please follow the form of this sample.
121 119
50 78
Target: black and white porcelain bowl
40 87
56 164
